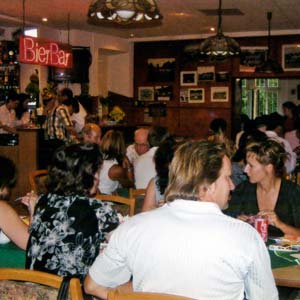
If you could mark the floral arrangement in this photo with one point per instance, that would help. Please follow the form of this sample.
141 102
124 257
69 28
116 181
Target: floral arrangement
117 114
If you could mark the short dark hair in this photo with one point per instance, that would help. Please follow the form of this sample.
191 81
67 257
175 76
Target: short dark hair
72 169
67 92
218 125
7 173
12 95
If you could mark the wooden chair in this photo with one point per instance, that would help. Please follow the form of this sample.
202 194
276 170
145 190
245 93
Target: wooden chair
42 278
118 199
37 180
117 295
138 195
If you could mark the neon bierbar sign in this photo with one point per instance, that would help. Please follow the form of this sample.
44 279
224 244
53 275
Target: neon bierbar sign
47 53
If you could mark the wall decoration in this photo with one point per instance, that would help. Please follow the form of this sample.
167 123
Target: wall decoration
196 95
163 93
206 73
161 69
219 94
146 93
222 76
253 56
291 57
184 96
188 78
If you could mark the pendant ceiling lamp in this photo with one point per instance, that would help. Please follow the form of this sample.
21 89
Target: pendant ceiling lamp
270 65
123 12
219 45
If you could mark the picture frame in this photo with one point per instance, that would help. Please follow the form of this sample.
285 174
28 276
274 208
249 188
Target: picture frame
206 73
183 94
253 56
161 69
188 78
196 95
290 57
146 93
219 94
163 93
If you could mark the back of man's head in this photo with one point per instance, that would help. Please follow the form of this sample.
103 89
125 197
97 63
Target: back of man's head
157 134
195 164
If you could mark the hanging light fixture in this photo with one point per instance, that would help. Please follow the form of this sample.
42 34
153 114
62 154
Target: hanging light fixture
219 45
270 65
123 12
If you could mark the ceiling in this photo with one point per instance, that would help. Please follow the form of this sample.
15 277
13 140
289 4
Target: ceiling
180 17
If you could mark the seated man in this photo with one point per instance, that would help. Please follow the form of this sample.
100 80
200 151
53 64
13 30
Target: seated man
91 133
140 145
188 247
144 167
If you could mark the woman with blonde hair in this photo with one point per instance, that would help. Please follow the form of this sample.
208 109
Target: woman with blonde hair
268 193
116 170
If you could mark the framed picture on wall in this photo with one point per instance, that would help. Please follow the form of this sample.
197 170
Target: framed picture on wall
146 93
206 73
219 94
161 69
196 95
253 56
188 78
291 57
163 93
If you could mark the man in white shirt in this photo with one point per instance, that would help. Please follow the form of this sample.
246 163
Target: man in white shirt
140 145
188 247
8 120
143 166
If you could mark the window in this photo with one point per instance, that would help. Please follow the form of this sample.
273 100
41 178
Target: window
259 96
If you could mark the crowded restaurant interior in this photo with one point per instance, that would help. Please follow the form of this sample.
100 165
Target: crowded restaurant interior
150 149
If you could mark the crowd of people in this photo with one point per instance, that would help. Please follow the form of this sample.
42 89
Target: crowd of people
173 245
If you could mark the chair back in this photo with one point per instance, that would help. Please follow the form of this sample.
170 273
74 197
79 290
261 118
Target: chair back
117 295
139 196
118 199
42 278
37 180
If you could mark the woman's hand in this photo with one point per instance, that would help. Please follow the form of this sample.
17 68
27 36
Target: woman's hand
246 218
30 200
271 216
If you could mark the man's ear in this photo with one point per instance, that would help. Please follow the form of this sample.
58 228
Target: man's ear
206 191
211 188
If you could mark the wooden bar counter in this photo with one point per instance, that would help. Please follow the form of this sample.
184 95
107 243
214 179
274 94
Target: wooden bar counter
25 157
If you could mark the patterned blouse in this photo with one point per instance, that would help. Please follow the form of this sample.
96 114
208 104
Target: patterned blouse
66 232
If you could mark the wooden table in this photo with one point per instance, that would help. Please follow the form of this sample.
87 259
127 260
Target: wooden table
287 276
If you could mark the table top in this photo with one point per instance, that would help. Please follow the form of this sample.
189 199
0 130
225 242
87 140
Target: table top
11 256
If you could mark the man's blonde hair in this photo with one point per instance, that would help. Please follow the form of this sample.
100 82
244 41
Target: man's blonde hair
195 164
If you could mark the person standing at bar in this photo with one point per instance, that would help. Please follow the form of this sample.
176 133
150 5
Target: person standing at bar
8 120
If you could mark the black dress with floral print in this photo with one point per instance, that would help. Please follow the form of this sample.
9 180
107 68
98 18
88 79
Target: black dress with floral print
66 232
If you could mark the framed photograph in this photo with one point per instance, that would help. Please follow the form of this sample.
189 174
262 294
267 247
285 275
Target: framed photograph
253 56
222 76
161 69
146 93
196 95
291 57
184 95
188 78
206 73
163 93
219 94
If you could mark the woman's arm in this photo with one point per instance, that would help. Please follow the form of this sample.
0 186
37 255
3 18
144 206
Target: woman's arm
123 175
150 197
13 226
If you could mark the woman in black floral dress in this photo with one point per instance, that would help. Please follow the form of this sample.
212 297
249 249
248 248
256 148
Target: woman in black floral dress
68 226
